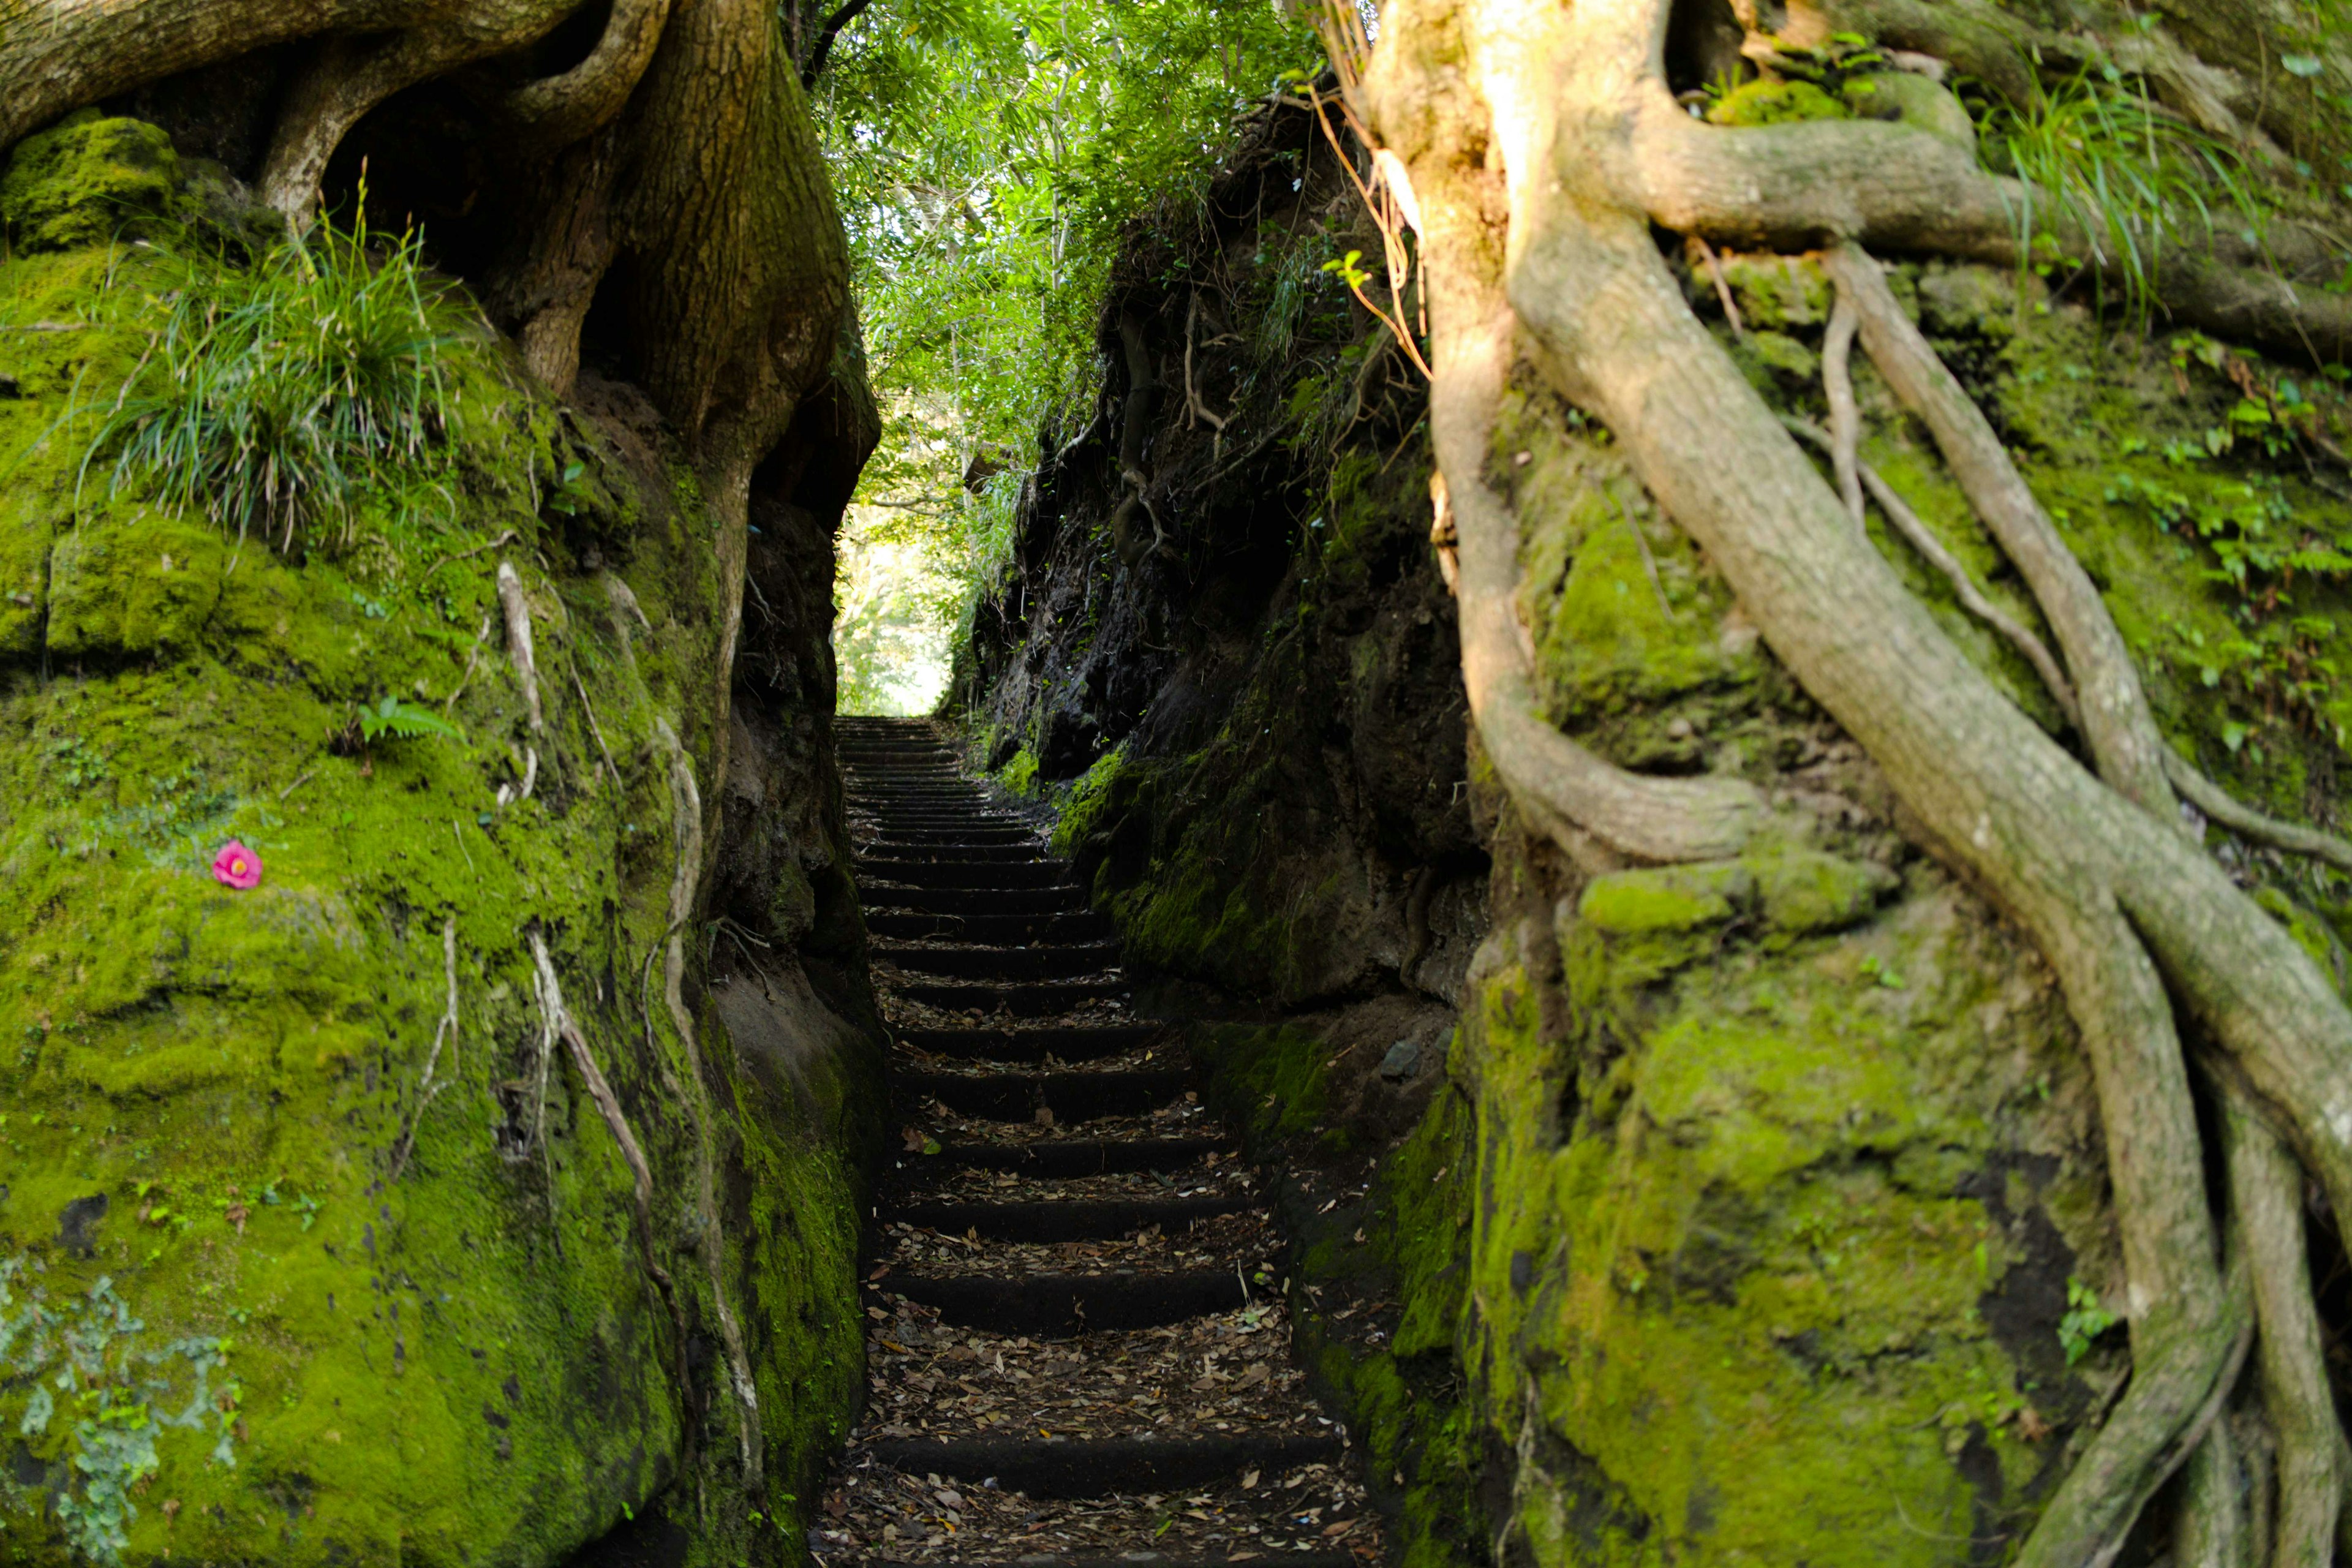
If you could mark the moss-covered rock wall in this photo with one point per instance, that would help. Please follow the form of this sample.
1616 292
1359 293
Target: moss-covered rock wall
315 1247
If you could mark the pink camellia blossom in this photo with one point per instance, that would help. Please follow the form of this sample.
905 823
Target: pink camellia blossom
236 866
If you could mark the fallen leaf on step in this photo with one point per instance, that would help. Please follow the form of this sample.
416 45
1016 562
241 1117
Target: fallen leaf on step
1044 1116
1249 1479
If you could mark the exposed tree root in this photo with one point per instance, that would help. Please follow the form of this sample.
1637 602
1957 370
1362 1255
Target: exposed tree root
686 803
519 641
2266 1191
427 1086
2243 820
560 1022
1846 418
1584 150
1922 539
561 109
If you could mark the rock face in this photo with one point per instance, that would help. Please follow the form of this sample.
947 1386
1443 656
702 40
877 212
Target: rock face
1758 1212
316 1245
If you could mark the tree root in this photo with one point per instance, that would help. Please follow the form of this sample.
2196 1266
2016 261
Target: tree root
427 1086
560 1022
2114 709
2246 822
1922 539
1594 810
1846 418
686 806
559 109
519 641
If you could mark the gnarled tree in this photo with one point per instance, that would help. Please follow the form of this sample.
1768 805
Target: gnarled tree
1547 153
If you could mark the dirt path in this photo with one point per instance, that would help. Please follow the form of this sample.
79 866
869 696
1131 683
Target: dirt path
1077 1350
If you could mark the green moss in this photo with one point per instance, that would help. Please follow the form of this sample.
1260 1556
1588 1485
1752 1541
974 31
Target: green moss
1776 103
1270 1080
85 180
205 1089
1084 804
1020 774
1804 891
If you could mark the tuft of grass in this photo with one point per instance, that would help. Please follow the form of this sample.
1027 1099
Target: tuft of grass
2097 156
296 397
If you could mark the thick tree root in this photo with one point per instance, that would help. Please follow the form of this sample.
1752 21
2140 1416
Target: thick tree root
559 109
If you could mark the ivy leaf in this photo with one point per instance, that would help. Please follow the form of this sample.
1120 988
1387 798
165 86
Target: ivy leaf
2300 65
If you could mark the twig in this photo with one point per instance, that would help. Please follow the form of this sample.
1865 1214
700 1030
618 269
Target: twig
463 554
1921 537
428 1087
47 327
1649 561
1193 406
458 834
297 784
594 729
517 609
1722 287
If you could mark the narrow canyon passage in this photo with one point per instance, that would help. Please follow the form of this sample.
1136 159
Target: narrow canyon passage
1076 1347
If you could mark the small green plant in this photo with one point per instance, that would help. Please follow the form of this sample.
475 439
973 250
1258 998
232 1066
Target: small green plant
404 721
296 395
2099 159
2085 1321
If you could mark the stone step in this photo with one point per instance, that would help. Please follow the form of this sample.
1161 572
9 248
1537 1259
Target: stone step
979 874
1083 1219
1045 1305
1068 1044
1030 999
1057 1158
880 855
1038 962
1099 1466
1068 898
1070 1096
994 931
1000 831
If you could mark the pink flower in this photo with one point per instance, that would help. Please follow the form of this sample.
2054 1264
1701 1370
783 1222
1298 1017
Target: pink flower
236 866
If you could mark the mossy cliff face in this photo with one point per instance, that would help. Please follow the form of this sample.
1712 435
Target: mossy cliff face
290 1272
1790 1230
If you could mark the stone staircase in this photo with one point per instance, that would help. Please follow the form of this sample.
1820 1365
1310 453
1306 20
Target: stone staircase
1077 1350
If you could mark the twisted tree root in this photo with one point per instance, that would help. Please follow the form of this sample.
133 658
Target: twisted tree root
428 1086
559 109
1846 419
2244 820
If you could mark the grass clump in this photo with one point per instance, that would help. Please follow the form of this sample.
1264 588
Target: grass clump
308 397
2098 157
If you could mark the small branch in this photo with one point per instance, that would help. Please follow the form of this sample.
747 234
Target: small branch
2218 805
518 642
822 52
1921 537
297 784
1846 419
428 1086
1194 408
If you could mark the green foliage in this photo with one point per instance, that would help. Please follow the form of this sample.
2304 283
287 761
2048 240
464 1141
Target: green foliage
989 154
2100 158
2085 1321
307 396
404 721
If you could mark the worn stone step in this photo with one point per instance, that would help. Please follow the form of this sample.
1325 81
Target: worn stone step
989 873
992 931
1050 1304
1070 1096
998 830
1039 961
1099 1466
881 855
1054 1158
929 821
1082 1043
1128 1560
1079 1219
1024 999
1068 898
